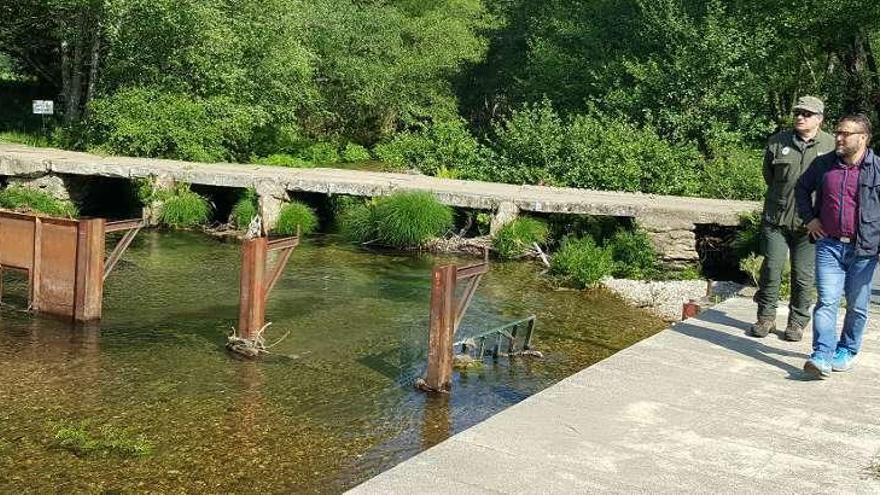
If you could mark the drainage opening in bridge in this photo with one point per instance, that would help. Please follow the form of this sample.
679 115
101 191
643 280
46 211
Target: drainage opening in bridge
718 257
104 197
221 199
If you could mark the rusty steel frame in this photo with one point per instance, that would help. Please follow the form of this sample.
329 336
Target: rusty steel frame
447 312
255 286
63 259
132 227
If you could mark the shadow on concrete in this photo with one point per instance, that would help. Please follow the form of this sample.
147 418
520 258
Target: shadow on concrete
747 346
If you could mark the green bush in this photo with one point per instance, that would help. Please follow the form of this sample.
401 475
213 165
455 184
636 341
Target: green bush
16 197
293 215
245 209
154 123
183 208
634 255
529 145
408 219
322 153
581 262
355 153
516 238
434 147
734 174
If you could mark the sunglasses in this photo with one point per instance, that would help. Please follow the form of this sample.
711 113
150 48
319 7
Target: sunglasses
804 113
846 134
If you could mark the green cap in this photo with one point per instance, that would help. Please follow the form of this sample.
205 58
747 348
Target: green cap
810 104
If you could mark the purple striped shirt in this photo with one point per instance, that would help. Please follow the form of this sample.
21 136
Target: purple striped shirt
840 200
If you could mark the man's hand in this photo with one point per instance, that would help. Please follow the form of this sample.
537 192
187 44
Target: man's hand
814 229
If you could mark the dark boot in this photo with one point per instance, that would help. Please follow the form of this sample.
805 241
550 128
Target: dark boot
794 332
764 326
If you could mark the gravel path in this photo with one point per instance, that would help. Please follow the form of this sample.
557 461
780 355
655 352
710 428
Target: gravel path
665 298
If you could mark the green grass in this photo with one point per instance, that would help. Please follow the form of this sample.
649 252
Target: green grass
751 264
26 138
284 160
409 219
581 262
245 209
108 441
183 208
516 238
293 215
357 221
22 198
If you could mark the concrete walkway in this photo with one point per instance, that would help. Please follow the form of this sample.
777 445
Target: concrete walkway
698 408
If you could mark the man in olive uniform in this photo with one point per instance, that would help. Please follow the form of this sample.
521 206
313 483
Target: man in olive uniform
787 156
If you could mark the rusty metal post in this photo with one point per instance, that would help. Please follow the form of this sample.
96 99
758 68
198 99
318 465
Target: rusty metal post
89 286
443 315
252 300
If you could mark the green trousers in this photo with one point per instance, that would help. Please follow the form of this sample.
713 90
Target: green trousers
776 243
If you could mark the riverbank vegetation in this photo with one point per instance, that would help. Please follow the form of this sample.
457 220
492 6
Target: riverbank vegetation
182 208
26 199
401 220
633 95
296 218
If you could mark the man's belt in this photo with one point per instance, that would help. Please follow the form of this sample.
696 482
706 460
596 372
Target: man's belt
843 239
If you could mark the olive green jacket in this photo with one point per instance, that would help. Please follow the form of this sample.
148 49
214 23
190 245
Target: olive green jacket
785 159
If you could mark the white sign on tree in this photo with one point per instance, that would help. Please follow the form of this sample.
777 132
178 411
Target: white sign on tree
44 107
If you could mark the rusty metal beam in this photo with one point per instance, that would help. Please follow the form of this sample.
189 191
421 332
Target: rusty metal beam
284 243
120 248
117 225
35 272
465 299
472 270
252 303
276 270
89 284
439 374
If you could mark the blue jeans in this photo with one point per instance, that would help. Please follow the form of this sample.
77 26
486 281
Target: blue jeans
839 270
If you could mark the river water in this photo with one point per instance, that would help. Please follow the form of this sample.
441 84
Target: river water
331 406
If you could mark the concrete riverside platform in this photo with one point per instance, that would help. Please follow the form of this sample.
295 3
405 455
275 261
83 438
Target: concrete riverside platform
662 212
697 408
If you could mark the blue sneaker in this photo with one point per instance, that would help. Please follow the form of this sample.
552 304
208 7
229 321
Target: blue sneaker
818 367
842 360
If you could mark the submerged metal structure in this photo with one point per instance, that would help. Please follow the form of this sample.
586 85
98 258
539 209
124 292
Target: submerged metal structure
64 260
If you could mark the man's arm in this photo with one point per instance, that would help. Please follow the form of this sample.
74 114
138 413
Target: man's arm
803 192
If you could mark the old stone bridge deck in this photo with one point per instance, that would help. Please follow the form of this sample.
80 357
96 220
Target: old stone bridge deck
670 220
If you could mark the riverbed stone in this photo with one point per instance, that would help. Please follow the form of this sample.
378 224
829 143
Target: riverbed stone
51 184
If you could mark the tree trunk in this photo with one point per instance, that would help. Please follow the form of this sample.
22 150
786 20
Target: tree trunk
65 79
76 81
93 68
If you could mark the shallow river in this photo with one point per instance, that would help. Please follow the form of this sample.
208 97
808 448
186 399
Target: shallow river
331 406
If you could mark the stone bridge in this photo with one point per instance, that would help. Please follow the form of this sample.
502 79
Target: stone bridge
671 221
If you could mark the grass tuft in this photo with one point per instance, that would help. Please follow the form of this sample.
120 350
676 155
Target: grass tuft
22 198
295 214
515 239
245 209
183 208
581 262
409 219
